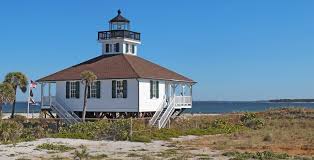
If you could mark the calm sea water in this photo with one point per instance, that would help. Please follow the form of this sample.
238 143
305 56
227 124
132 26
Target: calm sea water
199 106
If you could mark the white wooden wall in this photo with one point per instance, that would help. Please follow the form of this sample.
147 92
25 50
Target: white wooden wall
146 103
106 103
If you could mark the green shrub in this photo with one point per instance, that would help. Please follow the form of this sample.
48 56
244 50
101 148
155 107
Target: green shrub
249 120
218 123
115 130
55 147
266 155
10 131
33 133
19 118
140 138
82 153
118 130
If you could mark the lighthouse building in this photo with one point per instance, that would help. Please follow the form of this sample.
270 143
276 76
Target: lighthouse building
126 86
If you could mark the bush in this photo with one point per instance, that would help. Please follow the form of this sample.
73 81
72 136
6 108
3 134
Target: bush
249 120
118 130
266 155
55 147
10 131
268 137
115 130
82 153
140 138
19 118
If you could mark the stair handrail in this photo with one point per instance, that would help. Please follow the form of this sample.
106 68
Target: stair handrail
68 109
61 112
163 103
166 115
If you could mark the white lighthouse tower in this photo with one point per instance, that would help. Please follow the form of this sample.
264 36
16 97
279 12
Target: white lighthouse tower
119 39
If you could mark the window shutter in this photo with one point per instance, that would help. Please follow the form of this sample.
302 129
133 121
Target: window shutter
67 90
98 89
125 88
157 89
88 91
77 89
114 89
151 89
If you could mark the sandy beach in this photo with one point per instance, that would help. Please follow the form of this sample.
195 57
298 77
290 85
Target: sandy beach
31 115
112 149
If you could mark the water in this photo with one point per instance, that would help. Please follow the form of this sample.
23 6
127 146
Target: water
198 106
227 107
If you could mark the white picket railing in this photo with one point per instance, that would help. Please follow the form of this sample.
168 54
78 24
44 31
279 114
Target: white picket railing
183 101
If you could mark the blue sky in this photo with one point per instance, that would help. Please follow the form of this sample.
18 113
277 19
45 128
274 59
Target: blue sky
234 49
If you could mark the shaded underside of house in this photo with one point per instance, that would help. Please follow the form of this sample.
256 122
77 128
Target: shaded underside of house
117 66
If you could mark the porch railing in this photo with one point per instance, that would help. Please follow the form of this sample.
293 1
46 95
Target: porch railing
183 101
46 100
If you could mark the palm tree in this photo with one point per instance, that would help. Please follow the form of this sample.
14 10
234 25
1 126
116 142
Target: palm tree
17 80
6 95
88 78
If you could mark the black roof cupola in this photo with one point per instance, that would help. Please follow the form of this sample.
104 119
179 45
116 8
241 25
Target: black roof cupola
119 22
119 39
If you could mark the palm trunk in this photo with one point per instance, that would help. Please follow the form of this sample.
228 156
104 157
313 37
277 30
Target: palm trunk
13 105
0 110
85 101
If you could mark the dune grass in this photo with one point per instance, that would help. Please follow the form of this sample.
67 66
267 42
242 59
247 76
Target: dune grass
284 131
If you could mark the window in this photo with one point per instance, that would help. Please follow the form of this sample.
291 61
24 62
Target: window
133 49
119 89
116 47
126 48
94 90
107 48
73 89
154 89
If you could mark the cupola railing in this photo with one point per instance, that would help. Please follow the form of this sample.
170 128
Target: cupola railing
105 35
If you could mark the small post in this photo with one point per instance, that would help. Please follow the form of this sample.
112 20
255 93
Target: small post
28 99
49 92
131 127
42 94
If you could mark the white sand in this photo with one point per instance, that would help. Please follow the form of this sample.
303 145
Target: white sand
31 115
114 150
118 149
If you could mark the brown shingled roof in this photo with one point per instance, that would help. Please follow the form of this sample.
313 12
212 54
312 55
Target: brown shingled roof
117 66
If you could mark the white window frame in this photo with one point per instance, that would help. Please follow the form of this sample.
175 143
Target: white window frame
119 88
73 90
93 90
154 89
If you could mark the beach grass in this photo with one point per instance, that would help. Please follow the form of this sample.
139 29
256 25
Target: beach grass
284 131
